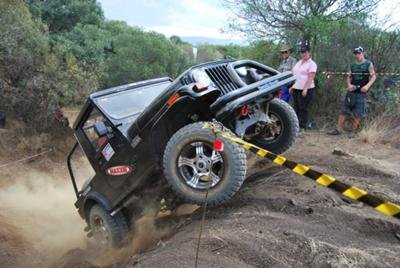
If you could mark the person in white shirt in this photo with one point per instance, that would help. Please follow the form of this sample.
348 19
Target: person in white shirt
303 89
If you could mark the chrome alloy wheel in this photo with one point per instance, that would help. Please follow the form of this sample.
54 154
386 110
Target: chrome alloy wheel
198 166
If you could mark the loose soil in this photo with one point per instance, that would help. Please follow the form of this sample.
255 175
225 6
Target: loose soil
277 219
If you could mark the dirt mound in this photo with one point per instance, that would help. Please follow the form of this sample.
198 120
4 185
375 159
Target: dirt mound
284 221
281 219
277 219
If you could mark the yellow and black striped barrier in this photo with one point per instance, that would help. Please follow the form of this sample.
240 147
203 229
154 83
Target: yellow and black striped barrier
352 192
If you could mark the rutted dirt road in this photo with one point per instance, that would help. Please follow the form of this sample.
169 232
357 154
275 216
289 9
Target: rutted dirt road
277 219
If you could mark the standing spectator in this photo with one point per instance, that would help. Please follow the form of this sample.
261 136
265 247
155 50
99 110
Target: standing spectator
303 89
286 64
359 80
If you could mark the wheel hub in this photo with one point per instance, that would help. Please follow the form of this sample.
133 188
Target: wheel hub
198 166
101 231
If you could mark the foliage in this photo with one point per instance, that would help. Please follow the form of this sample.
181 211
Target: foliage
272 19
55 53
63 15
263 51
22 61
138 55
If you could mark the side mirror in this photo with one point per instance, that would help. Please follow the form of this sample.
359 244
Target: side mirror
100 128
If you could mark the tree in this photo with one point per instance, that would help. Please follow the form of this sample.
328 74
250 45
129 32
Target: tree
24 53
88 43
139 55
206 52
274 19
263 51
63 15
176 40
33 76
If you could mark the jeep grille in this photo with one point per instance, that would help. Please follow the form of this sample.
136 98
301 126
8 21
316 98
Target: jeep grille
221 78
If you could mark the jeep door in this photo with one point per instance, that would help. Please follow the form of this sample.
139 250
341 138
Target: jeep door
111 156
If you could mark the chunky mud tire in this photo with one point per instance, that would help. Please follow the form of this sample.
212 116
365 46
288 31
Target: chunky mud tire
108 231
183 162
289 124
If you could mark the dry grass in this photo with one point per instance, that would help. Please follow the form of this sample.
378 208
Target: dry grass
383 129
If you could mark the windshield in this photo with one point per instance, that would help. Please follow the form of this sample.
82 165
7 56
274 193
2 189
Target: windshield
130 102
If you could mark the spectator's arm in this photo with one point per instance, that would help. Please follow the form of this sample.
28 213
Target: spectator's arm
372 76
371 80
349 85
280 67
310 79
311 76
294 61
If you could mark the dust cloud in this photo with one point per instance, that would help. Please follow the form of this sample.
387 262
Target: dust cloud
38 207
41 227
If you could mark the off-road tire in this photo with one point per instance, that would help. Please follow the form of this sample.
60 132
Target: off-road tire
290 125
234 159
116 225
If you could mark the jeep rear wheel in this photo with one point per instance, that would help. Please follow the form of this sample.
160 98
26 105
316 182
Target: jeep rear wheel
190 167
282 131
108 231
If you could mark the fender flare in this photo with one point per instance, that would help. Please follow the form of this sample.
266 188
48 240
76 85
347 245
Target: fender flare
95 198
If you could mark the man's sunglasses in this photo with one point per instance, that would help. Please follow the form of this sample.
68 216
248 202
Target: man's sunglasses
356 52
284 52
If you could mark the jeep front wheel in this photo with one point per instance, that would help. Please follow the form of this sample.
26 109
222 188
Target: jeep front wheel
190 167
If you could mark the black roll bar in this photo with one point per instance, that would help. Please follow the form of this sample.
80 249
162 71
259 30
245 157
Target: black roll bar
71 173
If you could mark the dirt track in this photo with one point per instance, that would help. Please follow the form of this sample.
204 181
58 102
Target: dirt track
278 219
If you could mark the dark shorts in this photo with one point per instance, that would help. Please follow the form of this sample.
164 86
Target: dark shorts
354 104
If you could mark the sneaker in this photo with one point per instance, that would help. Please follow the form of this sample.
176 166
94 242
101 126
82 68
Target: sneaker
334 131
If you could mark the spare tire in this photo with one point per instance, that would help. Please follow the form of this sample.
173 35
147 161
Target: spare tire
190 168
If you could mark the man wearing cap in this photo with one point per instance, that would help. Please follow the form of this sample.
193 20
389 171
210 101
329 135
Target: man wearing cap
303 89
286 64
360 78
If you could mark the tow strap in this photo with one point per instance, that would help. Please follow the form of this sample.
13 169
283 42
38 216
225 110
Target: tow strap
352 192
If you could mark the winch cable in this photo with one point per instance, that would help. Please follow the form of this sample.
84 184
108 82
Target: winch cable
25 158
217 147
352 192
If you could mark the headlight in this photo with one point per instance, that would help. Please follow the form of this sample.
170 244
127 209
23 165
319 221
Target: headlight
201 76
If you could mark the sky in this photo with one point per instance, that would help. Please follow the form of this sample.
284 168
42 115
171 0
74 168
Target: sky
172 17
193 17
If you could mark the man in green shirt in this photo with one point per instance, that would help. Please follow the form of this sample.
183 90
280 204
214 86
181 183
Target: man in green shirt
360 78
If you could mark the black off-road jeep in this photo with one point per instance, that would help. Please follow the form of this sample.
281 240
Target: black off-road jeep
146 143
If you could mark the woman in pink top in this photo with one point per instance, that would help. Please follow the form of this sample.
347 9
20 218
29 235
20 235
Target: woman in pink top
303 89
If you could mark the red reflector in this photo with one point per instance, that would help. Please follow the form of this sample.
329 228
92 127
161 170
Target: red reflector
218 145
244 111
101 141
173 99
198 87
118 170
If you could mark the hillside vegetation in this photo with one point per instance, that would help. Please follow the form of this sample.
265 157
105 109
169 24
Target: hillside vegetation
55 53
